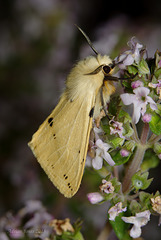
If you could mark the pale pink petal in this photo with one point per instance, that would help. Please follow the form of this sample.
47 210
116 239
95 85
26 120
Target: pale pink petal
108 159
153 105
128 60
141 91
136 114
128 98
97 163
135 231
95 197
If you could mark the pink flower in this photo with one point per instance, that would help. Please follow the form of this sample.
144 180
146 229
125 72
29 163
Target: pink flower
116 128
107 187
95 197
140 99
146 118
124 153
136 84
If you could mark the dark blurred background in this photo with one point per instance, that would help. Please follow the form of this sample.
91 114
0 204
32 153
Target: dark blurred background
39 43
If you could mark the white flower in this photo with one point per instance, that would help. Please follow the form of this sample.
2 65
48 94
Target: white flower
139 221
95 197
130 56
140 99
101 153
115 210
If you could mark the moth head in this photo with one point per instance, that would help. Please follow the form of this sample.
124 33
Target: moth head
106 68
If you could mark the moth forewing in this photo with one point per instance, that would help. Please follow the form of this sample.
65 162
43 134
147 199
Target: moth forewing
61 142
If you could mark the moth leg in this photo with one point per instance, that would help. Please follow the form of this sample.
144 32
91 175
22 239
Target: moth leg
101 115
103 112
91 151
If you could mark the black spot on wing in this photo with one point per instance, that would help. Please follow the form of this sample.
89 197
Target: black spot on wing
65 176
69 186
91 112
82 161
51 124
50 121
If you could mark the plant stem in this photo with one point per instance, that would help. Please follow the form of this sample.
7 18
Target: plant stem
137 159
154 139
135 135
133 168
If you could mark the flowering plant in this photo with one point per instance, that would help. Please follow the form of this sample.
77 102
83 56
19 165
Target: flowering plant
132 139
124 150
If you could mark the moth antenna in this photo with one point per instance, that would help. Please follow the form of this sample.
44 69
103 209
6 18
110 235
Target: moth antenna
88 40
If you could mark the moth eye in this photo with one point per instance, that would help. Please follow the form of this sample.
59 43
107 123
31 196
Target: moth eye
106 69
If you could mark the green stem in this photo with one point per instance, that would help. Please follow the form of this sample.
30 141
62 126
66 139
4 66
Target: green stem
135 134
133 168
137 159
154 139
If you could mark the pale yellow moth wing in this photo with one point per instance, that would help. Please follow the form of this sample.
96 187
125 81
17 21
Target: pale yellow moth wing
60 144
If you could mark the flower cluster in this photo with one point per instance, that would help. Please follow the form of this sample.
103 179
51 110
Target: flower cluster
134 133
34 222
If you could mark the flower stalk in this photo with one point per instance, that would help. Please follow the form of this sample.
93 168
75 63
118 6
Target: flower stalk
137 159
133 167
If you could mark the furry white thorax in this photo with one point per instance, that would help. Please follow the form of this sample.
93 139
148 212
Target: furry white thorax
79 83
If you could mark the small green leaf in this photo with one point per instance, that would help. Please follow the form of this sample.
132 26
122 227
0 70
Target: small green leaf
151 160
130 145
116 184
145 200
158 73
141 181
128 130
119 159
117 142
121 228
158 111
124 116
143 196
155 124
157 148
78 236
132 69
143 67
135 207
